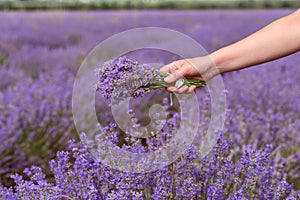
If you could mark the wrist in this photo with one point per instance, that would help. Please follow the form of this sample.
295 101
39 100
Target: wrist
205 66
221 62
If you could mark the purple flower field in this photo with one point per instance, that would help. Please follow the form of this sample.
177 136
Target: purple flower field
257 155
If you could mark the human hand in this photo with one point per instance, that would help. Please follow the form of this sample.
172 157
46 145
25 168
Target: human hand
199 68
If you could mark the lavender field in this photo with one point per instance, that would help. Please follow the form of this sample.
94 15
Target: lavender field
257 155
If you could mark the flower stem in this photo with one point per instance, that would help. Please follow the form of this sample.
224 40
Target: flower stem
188 82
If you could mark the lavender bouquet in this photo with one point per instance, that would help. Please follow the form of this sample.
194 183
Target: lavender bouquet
122 78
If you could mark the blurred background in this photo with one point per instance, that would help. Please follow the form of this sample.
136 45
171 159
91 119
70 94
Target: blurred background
145 4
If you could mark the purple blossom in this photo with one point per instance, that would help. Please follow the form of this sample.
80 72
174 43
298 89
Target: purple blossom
122 78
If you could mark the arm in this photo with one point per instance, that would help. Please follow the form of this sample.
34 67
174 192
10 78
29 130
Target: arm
278 39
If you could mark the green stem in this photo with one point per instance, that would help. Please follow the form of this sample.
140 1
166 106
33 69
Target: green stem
188 82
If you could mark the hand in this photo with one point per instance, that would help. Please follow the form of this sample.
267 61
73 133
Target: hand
199 68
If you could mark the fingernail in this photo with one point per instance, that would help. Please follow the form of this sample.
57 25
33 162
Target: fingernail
167 79
170 89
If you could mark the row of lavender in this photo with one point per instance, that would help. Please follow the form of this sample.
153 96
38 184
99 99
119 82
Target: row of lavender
257 156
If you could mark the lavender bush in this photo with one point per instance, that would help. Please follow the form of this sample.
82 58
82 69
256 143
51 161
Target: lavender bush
256 157
78 175
35 119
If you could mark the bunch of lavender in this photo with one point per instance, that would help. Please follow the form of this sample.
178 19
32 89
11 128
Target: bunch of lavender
122 78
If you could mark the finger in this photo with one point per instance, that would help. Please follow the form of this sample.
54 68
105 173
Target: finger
191 89
172 89
183 89
175 75
166 68
171 67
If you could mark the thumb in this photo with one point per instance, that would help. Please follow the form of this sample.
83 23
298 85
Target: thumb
175 75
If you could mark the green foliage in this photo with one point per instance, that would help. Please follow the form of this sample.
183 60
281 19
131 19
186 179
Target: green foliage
286 152
3 59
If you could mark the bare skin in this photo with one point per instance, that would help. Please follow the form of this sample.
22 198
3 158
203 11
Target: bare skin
278 39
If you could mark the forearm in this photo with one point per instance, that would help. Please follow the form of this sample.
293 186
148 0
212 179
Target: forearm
278 39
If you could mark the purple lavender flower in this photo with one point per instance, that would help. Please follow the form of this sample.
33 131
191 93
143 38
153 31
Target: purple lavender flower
123 78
